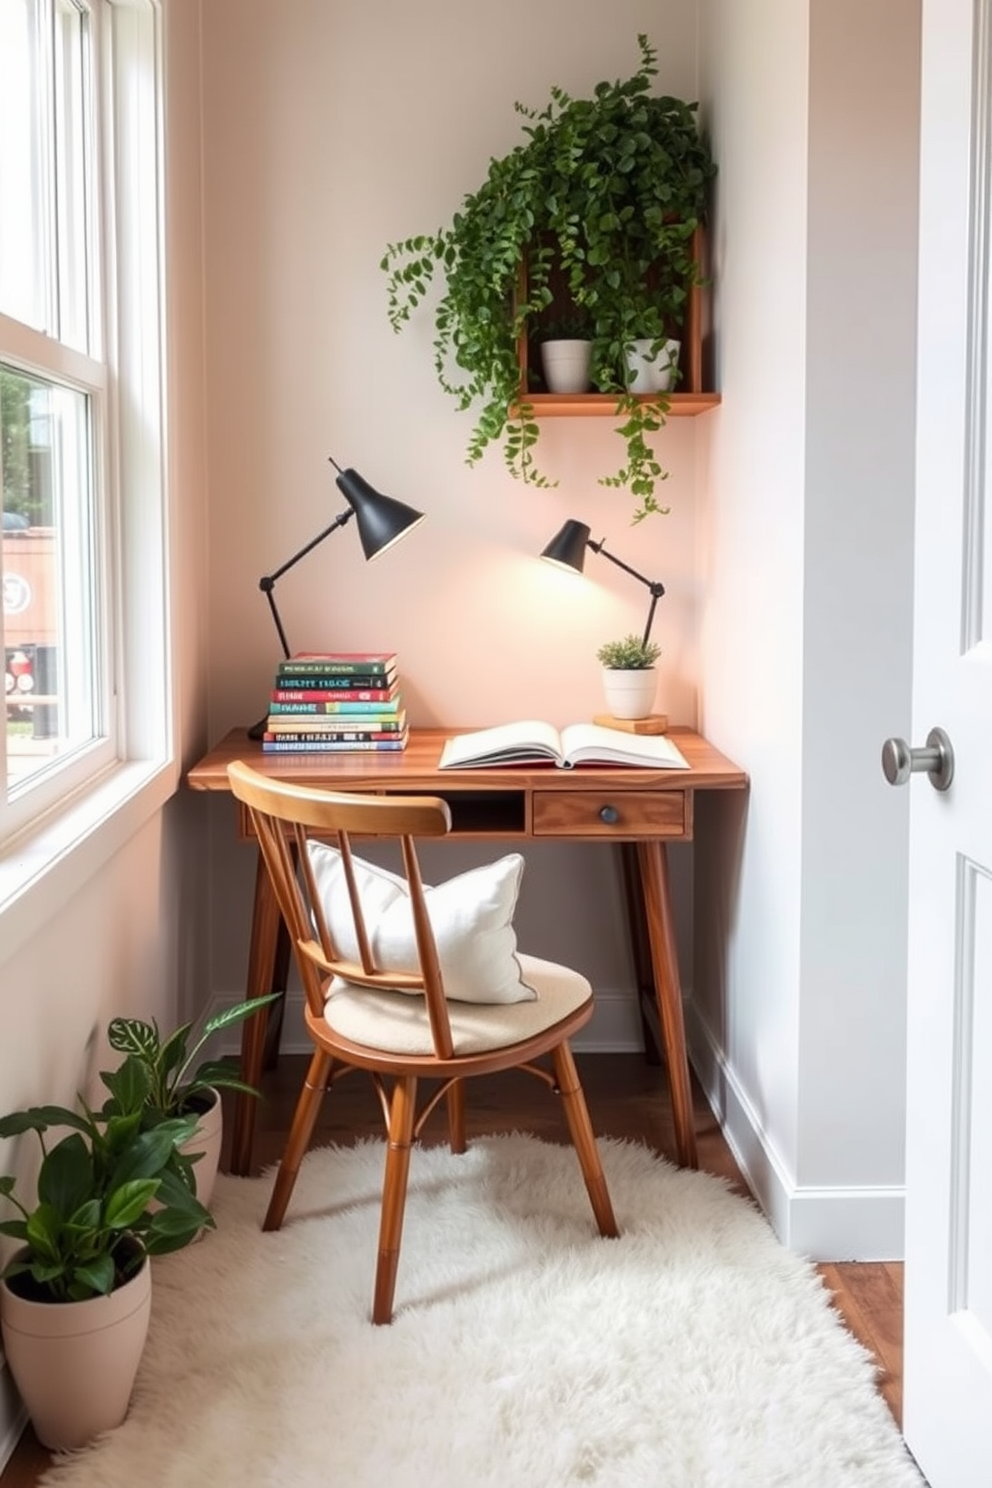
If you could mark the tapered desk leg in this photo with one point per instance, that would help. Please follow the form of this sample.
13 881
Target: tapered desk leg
647 999
653 862
268 964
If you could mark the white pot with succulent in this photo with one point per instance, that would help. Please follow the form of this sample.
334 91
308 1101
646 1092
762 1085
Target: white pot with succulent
629 677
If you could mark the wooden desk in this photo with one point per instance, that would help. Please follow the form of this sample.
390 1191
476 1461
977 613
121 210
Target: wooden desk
640 809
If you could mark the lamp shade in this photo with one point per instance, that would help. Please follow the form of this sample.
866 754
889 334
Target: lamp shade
568 546
381 519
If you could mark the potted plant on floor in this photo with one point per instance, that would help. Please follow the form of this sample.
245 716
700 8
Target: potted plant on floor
176 1082
629 677
597 208
75 1296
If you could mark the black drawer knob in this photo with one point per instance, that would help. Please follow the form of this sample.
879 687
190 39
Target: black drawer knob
610 815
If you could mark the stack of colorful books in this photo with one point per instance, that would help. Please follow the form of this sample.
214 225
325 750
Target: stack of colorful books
336 700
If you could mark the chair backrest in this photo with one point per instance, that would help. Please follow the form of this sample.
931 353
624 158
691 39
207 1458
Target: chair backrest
285 817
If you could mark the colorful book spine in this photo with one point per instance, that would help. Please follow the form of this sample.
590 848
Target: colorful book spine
388 708
280 746
336 694
294 722
310 736
327 682
339 663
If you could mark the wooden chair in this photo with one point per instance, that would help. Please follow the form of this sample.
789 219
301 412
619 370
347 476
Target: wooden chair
357 1018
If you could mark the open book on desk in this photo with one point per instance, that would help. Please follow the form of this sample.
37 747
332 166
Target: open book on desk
532 742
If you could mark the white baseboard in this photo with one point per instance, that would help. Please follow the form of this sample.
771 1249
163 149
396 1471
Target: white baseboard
825 1224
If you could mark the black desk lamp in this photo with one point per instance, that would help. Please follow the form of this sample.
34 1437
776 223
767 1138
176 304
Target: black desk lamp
382 521
568 549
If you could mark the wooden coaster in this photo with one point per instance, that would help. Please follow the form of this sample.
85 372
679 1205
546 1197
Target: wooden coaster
655 723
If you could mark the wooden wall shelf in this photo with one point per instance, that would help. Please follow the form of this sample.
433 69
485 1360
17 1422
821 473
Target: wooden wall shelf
597 405
687 402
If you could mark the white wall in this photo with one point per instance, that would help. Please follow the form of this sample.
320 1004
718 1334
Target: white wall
808 574
331 130
751 557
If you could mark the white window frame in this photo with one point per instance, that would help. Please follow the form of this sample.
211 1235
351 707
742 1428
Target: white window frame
53 858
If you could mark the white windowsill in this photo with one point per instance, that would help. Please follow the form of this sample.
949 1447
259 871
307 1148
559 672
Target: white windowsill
41 871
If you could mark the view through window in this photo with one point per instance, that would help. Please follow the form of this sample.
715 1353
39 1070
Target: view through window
53 382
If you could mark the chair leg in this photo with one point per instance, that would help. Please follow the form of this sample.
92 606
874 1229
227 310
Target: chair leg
583 1138
456 1116
304 1117
402 1113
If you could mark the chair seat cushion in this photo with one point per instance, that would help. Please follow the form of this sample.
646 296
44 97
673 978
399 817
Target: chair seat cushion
397 1022
471 916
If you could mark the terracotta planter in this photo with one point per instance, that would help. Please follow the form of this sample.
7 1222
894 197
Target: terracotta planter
74 1363
630 694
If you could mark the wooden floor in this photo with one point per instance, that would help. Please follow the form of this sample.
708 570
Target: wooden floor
627 1099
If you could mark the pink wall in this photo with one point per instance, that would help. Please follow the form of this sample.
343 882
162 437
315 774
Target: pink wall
329 131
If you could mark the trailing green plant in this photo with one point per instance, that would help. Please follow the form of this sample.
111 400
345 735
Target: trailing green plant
600 203
174 1080
108 1193
631 654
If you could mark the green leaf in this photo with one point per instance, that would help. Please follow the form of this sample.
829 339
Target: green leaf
66 1176
95 1278
132 1036
128 1202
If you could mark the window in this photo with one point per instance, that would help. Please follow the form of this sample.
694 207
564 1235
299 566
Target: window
80 392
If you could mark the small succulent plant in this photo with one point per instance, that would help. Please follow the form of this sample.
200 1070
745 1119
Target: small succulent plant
631 654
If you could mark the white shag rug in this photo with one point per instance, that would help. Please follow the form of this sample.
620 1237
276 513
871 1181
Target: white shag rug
526 1352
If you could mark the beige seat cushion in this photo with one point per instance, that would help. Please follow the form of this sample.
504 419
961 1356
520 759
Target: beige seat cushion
397 1022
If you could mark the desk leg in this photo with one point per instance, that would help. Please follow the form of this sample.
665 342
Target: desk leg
653 862
647 1000
268 964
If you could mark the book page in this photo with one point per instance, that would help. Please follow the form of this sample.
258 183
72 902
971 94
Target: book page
589 743
504 744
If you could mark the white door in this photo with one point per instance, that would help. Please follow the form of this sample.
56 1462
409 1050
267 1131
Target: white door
948 1299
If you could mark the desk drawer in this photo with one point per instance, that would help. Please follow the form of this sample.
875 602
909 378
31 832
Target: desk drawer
604 813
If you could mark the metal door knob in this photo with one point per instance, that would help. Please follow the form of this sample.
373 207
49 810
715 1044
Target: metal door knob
936 759
610 815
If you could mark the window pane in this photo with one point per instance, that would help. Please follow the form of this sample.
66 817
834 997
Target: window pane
49 574
25 151
71 156
45 127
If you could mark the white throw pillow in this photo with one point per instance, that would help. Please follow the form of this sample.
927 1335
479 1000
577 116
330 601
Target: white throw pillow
471 914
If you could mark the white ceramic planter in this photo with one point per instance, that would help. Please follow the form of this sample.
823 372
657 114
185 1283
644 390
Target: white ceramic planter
207 1140
653 376
630 694
566 365
75 1363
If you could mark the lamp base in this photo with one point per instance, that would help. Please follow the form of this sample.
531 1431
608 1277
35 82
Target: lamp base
655 723
257 730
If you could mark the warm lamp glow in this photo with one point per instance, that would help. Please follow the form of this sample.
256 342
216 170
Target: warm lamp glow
567 549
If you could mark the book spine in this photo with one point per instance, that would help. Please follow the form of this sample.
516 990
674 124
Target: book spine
381 709
341 695
325 736
282 746
330 728
327 682
321 667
